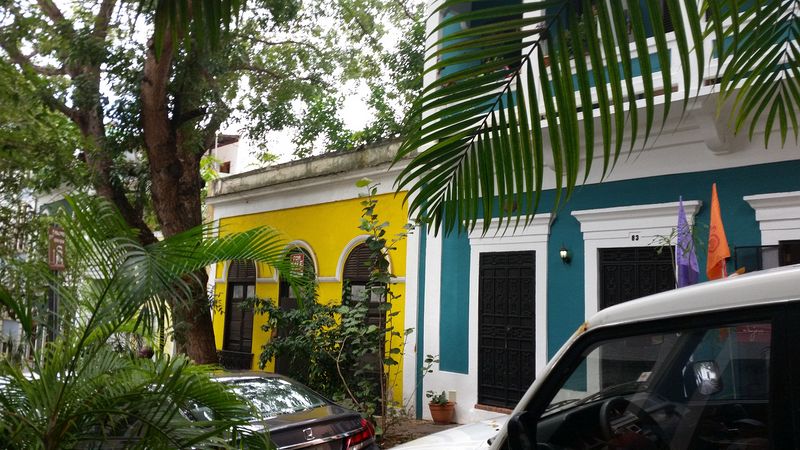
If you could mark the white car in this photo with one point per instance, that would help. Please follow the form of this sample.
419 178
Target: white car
710 366
471 436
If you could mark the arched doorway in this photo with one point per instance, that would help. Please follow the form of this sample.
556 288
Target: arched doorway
237 342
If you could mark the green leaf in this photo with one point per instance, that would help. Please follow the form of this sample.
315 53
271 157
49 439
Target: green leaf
483 149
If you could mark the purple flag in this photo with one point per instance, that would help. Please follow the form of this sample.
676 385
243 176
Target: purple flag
684 251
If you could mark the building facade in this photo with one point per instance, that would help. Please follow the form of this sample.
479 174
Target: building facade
316 206
495 307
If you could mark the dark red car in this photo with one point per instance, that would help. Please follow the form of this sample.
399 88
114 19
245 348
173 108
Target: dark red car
296 416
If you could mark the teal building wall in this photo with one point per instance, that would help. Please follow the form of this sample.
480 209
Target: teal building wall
565 282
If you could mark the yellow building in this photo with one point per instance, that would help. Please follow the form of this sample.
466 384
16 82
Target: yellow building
316 205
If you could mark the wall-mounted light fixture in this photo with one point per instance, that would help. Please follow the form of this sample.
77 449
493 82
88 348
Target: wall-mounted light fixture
564 254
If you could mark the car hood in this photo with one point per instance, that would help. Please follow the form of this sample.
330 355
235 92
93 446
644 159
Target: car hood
470 436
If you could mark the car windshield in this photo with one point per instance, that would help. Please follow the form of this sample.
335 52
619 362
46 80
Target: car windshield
273 396
630 365
618 367
707 386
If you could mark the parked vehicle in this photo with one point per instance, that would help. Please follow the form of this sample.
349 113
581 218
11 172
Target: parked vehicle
296 416
711 366
704 367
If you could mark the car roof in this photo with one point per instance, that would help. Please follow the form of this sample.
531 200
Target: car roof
757 288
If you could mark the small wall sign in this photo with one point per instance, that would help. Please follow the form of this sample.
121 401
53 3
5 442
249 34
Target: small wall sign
56 248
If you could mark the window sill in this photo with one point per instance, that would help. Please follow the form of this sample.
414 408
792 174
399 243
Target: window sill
496 409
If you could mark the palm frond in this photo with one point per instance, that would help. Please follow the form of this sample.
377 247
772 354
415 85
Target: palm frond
117 401
525 87
758 48
126 279
77 391
522 86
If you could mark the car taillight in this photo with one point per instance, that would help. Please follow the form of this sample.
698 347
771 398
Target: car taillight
363 438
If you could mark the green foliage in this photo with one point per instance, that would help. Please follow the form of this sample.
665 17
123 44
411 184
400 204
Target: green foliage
36 154
77 391
336 348
427 365
510 97
401 78
329 348
437 399
272 65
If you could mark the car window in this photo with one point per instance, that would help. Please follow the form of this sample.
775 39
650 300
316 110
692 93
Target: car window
619 366
690 388
742 353
274 396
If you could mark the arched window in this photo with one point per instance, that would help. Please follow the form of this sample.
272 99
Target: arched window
356 272
356 276
237 340
301 261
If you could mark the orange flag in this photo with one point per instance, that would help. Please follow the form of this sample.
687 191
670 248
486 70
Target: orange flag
718 249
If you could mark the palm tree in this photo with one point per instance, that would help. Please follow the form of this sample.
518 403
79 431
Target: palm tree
518 84
77 391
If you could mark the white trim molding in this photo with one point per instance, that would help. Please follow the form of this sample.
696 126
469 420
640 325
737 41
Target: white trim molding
778 216
226 266
534 238
625 226
360 239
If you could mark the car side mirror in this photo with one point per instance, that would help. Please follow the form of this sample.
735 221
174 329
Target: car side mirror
707 377
521 432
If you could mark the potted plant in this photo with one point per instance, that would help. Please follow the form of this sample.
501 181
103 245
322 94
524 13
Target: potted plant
442 410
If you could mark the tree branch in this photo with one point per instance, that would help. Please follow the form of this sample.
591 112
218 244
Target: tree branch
405 9
276 43
51 101
249 67
52 11
219 116
155 110
48 98
103 18
179 120
24 62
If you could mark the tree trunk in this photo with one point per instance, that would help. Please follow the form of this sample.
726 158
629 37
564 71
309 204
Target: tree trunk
175 186
194 330
173 160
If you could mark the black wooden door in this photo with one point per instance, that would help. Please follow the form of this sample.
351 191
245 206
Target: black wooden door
628 273
356 288
506 327
238 336
286 364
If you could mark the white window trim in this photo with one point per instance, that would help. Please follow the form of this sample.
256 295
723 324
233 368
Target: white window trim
778 216
534 237
625 226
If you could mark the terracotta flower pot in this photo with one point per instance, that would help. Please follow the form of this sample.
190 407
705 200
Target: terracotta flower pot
442 414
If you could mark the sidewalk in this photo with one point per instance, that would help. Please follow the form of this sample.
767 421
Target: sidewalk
405 430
